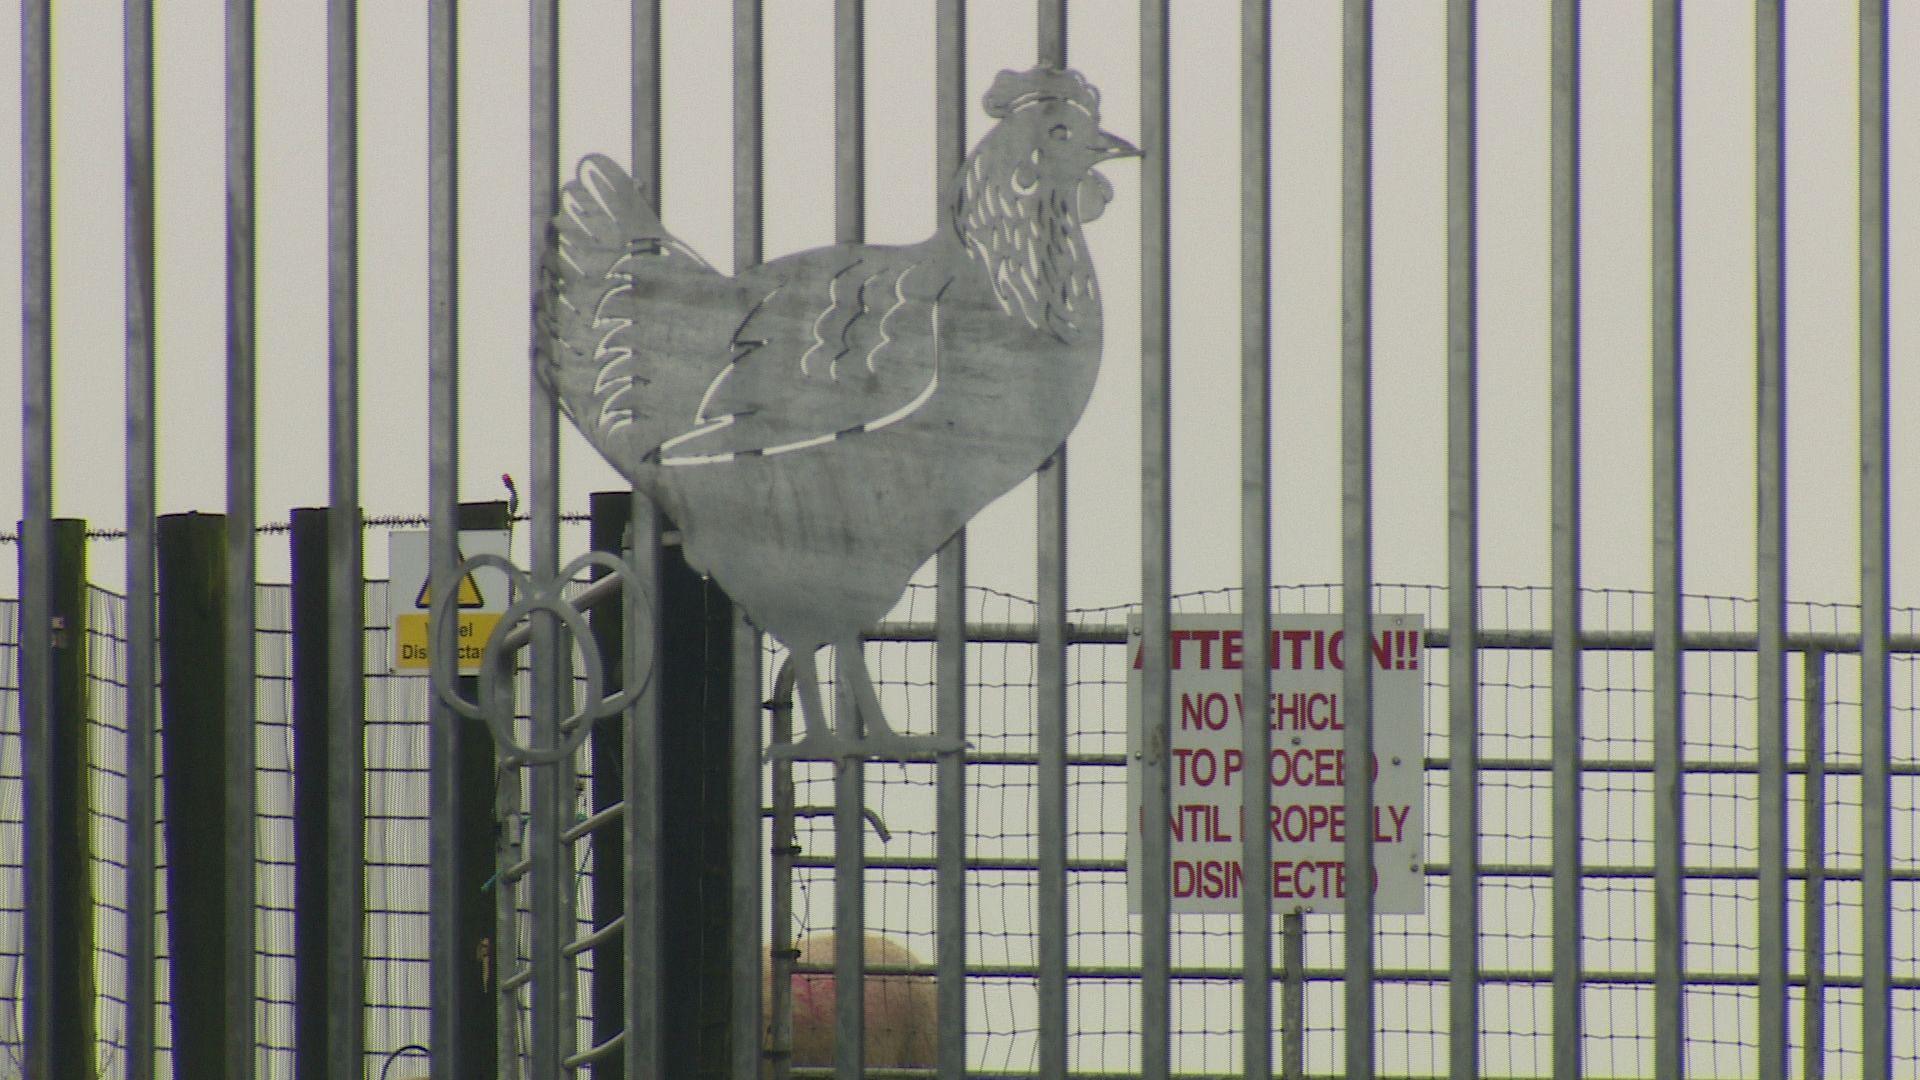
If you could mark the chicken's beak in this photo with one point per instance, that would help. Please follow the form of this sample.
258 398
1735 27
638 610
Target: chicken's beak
1107 145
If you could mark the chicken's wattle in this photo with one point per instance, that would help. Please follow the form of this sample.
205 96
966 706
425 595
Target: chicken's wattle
1094 194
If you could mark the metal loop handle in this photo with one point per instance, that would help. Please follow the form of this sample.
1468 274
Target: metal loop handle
495 706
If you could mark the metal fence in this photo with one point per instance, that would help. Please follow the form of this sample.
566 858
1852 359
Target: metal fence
1693 841
1720 868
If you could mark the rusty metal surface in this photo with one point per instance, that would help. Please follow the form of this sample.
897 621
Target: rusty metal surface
818 426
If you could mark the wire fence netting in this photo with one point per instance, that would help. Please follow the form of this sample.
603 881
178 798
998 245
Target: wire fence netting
1721 856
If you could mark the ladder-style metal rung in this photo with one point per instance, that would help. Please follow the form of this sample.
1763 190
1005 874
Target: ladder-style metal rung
610 814
515 872
594 1053
595 939
517 980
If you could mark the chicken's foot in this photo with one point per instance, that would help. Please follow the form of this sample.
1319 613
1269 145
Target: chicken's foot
879 740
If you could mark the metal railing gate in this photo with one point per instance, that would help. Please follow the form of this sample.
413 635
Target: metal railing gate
558 717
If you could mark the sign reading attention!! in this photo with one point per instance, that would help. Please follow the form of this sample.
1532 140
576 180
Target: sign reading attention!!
1306 769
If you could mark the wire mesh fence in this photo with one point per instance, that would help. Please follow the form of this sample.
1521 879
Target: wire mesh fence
1616 963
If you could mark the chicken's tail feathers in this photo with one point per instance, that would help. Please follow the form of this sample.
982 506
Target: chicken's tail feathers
611 270
606 225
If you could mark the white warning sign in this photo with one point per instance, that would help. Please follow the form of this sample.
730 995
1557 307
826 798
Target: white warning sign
481 600
1306 771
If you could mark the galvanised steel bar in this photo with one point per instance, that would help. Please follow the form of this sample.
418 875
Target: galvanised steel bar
1050 702
849 903
950 652
142 596
1813 903
36 528
1669 794
1770 501
748 739
549 884
1156 543
748 841
451 1058
1564 514
1050 803
849 837
1463 546
748 137
1256 525
1876 715
1293 998
643 1053
1356 515
346 636
238 1007
780 951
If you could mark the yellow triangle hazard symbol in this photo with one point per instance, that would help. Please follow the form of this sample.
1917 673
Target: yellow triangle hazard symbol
469 596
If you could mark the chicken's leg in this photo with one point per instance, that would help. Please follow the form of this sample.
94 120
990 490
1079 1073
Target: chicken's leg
820 742
879 739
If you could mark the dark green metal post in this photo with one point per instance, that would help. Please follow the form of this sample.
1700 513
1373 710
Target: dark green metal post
71 962
611 513
695 672
475 786
311 803
192 573
694 680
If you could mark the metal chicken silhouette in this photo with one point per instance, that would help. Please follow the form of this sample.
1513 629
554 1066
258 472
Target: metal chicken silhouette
819 425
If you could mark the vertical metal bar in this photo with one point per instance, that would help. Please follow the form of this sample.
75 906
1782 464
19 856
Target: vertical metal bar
1052 28
1669 796
239 840
142 613
40 711
1813 909
780 951
643 1054
1564 537
645 134
346 637
1876 716
1051 735
849 842
849 121
1463 546
748 140
443 282
749 1033
747 838
36 555
551 785
1770 501
1256 527
1356 517
1156 544
950 660
849 906
1050 706
1293 998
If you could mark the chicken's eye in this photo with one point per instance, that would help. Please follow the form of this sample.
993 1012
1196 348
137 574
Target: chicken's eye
1061 133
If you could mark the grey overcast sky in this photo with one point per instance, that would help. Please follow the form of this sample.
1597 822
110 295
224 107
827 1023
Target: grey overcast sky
1409 269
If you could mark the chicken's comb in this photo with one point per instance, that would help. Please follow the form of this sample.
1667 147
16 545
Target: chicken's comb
1014 90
